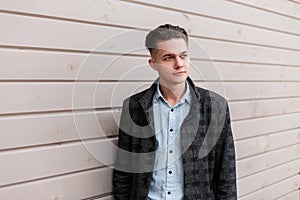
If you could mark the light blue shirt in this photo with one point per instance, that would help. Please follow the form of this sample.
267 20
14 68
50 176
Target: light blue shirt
167 182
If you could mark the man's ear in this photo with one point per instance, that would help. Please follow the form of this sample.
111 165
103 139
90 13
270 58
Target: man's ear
152 64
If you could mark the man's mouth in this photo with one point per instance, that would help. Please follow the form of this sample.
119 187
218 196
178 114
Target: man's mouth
180 73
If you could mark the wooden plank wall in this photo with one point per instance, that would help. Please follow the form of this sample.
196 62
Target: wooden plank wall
65 67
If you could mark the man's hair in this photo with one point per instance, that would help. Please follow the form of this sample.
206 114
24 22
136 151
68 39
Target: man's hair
163 33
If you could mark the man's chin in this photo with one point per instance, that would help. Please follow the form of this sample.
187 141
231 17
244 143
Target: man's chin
179 79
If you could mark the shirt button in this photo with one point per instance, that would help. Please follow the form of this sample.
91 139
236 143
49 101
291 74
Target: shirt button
170 151
169 193
170 172
171 130
172 110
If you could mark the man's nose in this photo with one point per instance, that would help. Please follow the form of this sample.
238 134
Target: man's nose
178 62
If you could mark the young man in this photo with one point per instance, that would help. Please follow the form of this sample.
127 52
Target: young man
175 139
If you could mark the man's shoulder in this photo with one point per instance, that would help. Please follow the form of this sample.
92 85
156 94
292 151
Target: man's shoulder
137 96
209 95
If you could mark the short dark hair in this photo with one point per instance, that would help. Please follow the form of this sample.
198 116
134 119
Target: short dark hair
163 33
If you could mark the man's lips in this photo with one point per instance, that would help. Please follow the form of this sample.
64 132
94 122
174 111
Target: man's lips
179 73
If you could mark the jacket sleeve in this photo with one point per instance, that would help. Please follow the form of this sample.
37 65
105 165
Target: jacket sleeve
122 176
225 164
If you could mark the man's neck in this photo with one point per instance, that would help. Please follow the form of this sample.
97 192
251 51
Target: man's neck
173 94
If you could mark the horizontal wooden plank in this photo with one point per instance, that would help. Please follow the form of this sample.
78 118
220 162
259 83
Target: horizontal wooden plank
234 52
116 13
60 96
261 108
208 71
110 12
39 129
47 65
288 8
75 36
249 91
28 130
68 187
236 13
268 177
266 143
255 164
43 96
262 126
275 191
295 195
241 33
43 33
40 65
42 162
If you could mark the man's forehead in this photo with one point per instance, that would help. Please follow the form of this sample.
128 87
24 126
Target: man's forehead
172 45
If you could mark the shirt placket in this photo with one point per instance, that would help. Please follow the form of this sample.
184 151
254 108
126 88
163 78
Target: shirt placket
170 156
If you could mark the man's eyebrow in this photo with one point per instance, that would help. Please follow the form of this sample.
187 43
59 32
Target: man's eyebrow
172 54
168 54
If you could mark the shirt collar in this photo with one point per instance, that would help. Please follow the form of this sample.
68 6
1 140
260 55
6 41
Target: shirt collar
186 97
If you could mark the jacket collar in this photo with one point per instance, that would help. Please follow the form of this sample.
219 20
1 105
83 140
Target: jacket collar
146 99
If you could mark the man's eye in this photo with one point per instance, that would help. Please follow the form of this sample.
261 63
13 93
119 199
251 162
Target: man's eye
184 56
168 58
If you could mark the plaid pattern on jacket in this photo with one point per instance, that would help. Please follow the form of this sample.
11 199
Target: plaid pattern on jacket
208 152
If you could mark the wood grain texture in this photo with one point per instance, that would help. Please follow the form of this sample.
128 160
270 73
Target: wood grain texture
254 164
40 129
291 196
287 8
67 187
263 108
267 143
236 13
250 128
116 13
55 160
268 177
275 191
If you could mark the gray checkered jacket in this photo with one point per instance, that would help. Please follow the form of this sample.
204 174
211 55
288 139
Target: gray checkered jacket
208 152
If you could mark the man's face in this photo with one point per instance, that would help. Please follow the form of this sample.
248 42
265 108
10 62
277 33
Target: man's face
171 60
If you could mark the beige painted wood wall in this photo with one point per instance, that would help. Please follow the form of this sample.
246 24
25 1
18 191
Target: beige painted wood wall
65 67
